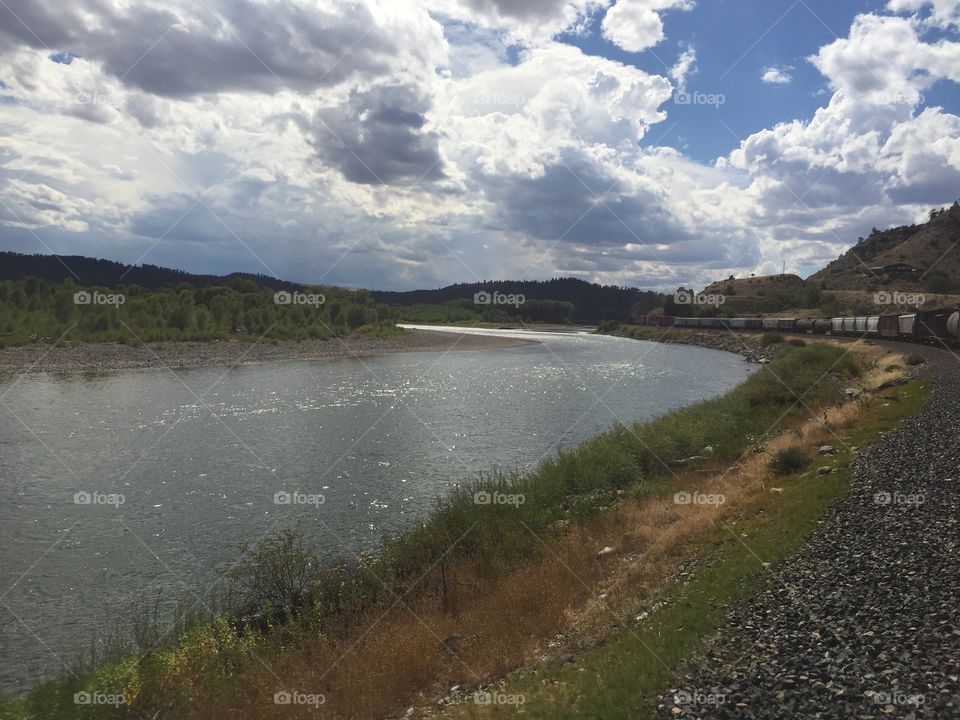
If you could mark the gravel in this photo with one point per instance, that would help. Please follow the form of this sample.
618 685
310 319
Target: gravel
864 622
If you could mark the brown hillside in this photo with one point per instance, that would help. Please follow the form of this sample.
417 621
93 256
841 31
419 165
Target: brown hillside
931 249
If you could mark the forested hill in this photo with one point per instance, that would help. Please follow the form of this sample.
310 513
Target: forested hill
107 273
592 303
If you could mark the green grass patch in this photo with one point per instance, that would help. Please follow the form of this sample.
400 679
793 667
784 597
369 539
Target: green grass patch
623 678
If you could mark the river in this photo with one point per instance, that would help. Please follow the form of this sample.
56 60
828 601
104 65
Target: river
122 487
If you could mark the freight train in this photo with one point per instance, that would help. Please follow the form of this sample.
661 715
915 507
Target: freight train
928 326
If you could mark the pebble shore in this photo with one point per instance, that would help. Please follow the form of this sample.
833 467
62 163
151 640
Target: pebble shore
864 622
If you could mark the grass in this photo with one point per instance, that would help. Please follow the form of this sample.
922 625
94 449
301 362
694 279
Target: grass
623 678
498 572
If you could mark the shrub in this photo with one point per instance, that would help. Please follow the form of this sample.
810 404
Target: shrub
789 460
796 342
771 339
274 574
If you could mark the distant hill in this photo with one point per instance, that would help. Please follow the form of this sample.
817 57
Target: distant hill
592 303
107 273
917 258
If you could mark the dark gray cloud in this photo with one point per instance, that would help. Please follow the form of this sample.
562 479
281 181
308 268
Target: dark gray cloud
519 9
222 45
377 137
577 202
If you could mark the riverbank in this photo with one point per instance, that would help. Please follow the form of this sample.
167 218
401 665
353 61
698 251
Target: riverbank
102 357
863 622
748 345
503 566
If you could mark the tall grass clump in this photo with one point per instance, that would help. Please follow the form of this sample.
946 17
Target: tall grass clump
789 460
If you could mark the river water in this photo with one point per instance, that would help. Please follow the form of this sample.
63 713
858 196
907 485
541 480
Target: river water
181 468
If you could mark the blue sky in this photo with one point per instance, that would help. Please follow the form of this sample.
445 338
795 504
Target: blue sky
416 143
735 42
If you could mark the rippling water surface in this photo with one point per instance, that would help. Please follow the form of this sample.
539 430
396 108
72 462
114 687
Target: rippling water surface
199 455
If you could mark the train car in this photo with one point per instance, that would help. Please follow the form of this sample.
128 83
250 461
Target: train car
804 325
905 325
786 324
822 327
769 323
860 325
888 326
931 325
953 326
836 326
711 323
849 325
753 324
738 323
873 326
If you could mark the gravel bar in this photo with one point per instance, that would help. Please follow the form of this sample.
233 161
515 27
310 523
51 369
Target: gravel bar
863 623
102 357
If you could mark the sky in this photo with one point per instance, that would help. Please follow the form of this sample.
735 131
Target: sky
403 144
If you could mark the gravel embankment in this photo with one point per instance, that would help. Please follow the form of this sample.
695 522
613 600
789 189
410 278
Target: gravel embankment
864 622
746 344
97 357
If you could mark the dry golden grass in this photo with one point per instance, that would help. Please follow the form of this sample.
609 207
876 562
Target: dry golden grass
492 623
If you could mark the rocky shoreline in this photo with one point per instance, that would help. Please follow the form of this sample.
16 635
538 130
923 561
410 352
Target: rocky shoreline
746 345
862 623
103 357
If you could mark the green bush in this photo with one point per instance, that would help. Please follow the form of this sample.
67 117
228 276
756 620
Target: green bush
789 460
771 339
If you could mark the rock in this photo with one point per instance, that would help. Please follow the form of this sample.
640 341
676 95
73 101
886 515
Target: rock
851 392
606 551
824 470
708 450
826 450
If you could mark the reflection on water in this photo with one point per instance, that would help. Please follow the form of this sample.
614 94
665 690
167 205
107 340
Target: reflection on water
193 460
